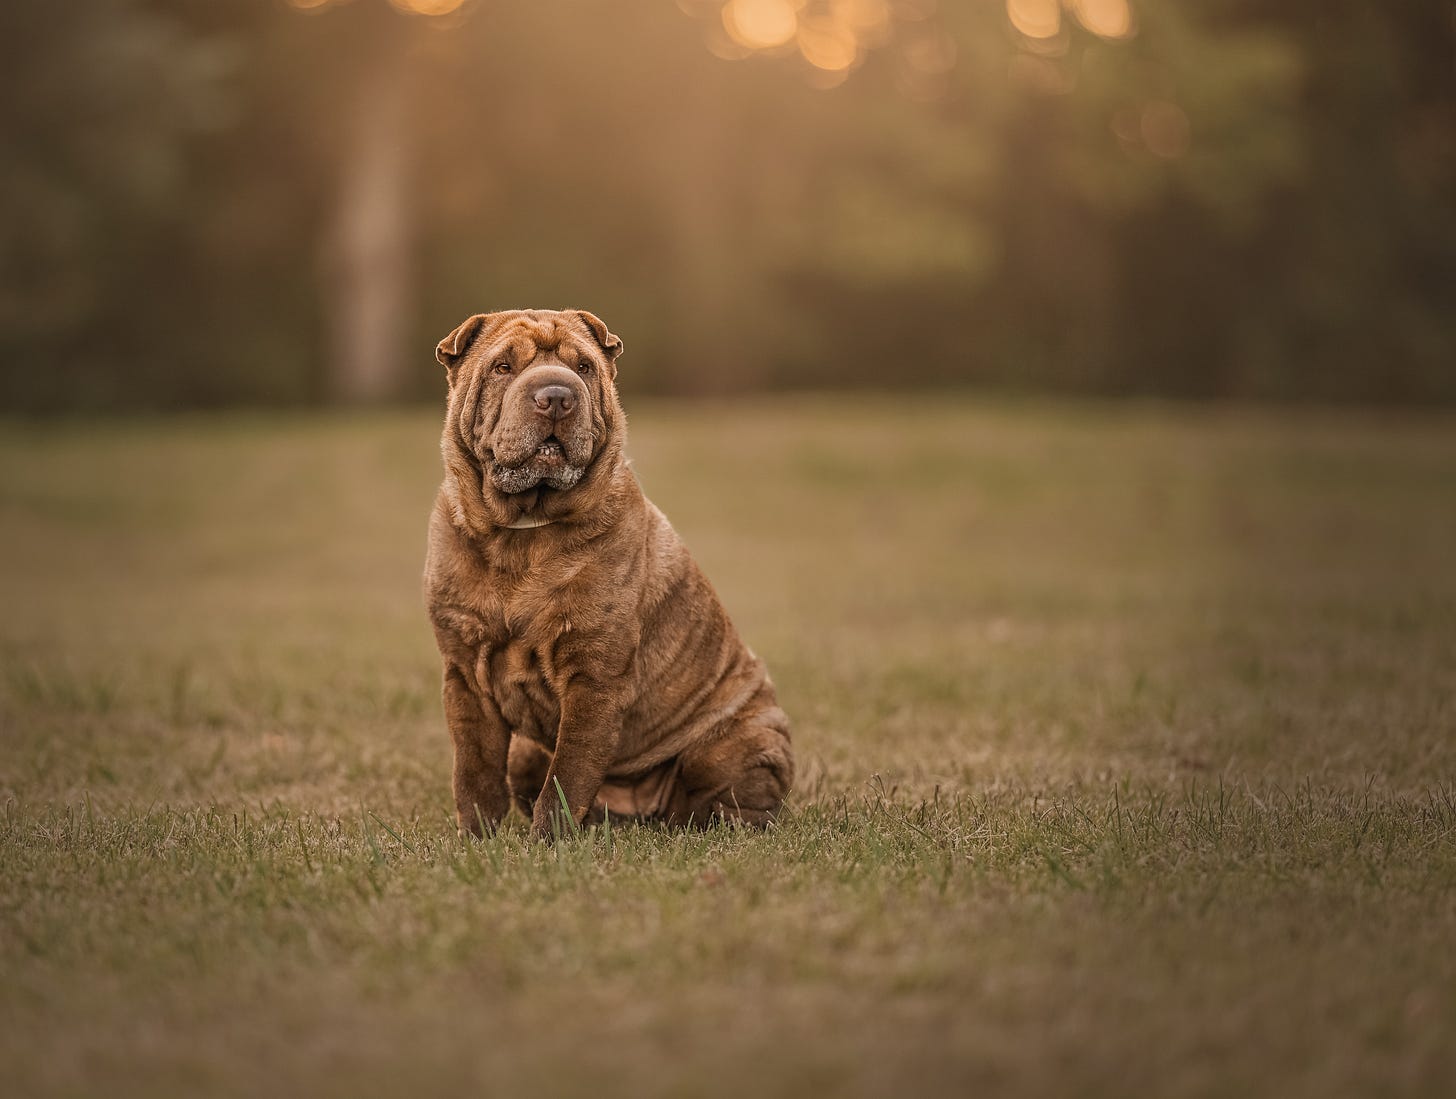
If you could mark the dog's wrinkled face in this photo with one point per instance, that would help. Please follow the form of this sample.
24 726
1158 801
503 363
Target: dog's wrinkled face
532 399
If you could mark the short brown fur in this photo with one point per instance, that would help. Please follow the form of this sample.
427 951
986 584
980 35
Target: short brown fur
587 650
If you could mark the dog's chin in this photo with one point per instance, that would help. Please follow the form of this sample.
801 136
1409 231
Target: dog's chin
546 467
524 478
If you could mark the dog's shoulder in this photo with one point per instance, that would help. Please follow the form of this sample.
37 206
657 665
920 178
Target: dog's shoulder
447 553
461 608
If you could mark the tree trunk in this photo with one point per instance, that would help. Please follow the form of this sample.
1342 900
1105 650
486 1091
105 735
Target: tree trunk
369 288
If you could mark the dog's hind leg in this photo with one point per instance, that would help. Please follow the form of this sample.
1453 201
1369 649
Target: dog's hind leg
743 774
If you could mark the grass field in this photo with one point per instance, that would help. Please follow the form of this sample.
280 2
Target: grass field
1127 741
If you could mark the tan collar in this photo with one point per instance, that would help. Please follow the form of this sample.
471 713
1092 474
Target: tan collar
527 522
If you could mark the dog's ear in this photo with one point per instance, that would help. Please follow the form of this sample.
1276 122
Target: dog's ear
452 348
610 343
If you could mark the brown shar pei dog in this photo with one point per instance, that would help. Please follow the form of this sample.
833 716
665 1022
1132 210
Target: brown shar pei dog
582 645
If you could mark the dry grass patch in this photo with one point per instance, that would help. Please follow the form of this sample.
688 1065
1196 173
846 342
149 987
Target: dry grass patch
1126 735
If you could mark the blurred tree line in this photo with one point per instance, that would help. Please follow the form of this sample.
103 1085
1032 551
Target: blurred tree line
224 201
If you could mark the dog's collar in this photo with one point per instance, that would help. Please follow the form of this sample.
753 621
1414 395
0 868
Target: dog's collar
529 522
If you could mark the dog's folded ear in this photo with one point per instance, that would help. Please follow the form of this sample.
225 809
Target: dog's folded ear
453 347
610 343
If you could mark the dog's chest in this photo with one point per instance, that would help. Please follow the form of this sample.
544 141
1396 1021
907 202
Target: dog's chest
513 654
518 676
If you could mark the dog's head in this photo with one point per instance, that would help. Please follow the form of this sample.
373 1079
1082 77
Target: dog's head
533 412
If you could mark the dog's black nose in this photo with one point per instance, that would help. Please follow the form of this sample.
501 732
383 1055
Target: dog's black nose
555 401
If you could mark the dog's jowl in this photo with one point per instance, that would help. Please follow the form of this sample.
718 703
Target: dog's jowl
587 658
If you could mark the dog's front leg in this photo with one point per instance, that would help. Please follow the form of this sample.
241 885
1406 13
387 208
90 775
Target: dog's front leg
586 742
481 740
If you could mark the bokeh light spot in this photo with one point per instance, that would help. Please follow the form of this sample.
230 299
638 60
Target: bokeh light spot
760 24
1127 126
1035 18
828 46
1104 18
723 47
932 54
1165 128
1041 75
427 7
869 19
824 79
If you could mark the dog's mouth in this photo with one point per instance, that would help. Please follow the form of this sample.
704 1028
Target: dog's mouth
549 452
545 466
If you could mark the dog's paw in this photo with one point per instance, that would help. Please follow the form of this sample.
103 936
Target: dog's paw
551 823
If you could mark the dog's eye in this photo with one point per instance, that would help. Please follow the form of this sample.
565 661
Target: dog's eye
502 368
584 366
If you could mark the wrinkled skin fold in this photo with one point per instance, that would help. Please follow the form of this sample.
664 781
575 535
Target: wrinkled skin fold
583 649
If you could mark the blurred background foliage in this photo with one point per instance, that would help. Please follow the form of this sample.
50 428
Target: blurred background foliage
211 202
